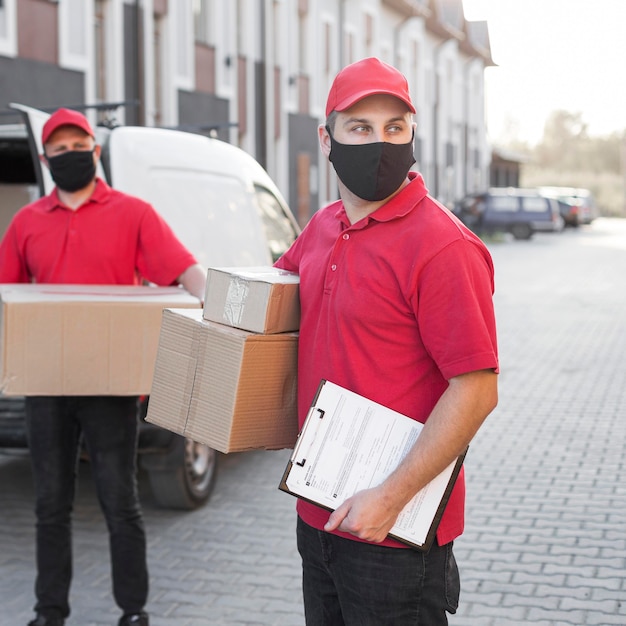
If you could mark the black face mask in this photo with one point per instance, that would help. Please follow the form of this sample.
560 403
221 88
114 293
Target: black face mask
371 171
72 170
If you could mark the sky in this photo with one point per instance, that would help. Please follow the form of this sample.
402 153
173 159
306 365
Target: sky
552 55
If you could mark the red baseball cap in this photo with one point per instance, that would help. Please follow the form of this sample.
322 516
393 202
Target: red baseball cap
65 117
367 77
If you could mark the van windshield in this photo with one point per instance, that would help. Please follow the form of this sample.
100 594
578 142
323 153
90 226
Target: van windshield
279 230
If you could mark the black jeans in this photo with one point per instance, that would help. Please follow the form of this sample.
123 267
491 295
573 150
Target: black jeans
351 583
108 426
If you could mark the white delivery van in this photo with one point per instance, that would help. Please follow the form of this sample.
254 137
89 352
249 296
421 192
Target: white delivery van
220 203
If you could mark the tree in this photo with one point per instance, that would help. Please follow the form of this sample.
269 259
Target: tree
567 156
563 137
567 147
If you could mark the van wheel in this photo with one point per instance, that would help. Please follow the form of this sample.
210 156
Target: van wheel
521 231
188 483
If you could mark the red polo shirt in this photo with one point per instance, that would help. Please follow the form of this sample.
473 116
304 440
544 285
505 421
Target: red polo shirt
392 307
111 239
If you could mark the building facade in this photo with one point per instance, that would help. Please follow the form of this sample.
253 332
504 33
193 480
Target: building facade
256 73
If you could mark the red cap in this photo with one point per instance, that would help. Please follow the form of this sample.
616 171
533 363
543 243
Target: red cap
65 117
364 78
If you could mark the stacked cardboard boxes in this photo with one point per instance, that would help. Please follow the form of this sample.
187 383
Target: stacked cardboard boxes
227 376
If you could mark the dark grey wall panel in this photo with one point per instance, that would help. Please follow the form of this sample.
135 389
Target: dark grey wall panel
37 84
199 110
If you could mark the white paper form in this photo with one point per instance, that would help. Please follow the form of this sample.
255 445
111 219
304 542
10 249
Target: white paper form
349 443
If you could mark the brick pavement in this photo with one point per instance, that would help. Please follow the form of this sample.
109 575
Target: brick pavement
546 535
545 542
231 562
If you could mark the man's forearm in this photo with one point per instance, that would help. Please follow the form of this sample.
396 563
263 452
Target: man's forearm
193 279
454 421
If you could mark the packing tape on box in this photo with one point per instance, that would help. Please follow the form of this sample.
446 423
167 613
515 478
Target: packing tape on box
238 290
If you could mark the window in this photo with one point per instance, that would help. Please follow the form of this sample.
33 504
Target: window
201 21
505 204
279 230
535 205
303 14
182 43
8 28
74 35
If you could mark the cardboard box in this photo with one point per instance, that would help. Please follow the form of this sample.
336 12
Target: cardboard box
228 388
261 299
82 339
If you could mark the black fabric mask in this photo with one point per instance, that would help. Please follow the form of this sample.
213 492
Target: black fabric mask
72 170
371 171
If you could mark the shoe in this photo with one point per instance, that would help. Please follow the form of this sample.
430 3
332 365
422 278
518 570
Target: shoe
43 620
134 619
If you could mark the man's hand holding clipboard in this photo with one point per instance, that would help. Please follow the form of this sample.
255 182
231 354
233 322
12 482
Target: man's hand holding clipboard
348 445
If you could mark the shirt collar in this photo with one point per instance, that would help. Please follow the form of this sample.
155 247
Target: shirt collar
99 195
398 206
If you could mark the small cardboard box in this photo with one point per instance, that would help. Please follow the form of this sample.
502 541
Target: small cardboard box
228 388
82 339
260 299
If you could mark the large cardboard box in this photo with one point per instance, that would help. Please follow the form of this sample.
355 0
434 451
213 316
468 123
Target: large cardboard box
82 339
260 299
228 388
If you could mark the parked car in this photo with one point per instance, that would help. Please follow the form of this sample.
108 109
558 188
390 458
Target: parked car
521 212
577 205
569 211
218 200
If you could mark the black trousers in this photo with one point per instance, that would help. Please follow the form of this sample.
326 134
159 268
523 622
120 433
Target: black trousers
108 426
351 583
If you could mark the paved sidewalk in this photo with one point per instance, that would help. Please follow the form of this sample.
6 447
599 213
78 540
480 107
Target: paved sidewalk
545 542
546 536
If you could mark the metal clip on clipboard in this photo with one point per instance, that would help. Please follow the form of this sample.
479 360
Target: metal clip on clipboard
309 432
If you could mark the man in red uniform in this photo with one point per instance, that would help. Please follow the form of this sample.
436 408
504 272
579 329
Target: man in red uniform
396 299
84 232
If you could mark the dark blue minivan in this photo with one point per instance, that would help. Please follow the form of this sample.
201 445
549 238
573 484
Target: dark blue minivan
521 212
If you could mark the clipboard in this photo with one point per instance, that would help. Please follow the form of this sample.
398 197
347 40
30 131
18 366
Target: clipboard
349 443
